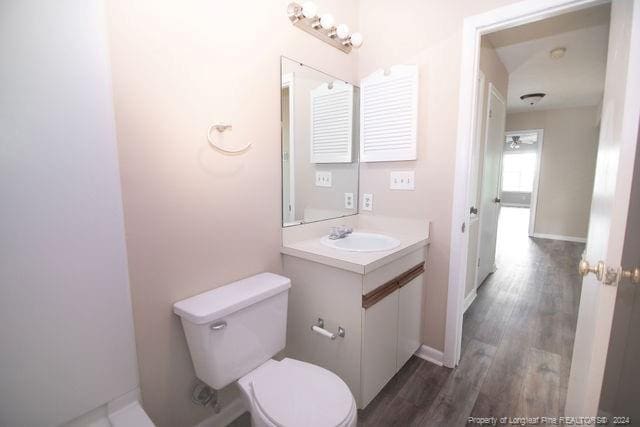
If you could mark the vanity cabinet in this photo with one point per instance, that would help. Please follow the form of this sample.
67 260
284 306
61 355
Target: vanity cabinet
380 311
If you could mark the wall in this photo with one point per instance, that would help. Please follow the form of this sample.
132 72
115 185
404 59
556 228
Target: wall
567 167
195 218
429 33
65 307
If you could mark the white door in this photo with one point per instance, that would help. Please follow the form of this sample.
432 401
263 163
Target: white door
490 196
609 209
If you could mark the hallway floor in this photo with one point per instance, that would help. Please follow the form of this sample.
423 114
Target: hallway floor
517 341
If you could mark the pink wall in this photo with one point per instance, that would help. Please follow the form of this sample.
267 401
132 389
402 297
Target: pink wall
196 219
427 33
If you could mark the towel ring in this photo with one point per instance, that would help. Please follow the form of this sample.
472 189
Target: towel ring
220 127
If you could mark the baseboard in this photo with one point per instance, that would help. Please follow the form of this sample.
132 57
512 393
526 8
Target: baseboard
560 237
469 300
229 412
430 355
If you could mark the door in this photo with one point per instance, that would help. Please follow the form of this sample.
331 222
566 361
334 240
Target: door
379 346
490 195
609 221
409 320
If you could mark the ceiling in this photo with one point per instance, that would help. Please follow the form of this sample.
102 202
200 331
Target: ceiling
575 80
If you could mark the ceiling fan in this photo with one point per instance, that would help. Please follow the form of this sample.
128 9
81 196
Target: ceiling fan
514 141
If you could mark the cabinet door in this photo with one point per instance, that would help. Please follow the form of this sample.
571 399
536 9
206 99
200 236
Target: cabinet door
409 319
379 346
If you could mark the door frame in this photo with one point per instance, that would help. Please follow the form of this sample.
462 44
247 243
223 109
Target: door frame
473 28
533 205
287 82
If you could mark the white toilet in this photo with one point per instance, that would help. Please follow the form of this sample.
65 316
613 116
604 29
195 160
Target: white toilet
233 332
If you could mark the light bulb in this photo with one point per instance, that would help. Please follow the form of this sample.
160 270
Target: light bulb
342 31
327 21
309 10
356 40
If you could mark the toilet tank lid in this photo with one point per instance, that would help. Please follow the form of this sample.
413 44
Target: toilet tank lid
222 301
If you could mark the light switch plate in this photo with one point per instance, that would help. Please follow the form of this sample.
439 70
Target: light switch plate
367 202
402 180
323 179
348 200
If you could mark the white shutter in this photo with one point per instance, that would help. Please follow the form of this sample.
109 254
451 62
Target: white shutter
332 123
389 115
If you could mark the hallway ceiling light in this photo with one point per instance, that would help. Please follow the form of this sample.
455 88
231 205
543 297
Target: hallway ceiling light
558 52
532 99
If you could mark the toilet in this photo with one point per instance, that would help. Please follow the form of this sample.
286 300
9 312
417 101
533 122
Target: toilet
234 331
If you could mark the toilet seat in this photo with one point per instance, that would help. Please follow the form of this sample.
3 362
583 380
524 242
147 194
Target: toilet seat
295 393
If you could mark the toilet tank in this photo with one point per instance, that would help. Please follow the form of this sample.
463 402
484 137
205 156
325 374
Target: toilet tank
233 329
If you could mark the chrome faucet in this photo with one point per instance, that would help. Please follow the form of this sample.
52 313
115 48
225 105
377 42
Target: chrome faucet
339 232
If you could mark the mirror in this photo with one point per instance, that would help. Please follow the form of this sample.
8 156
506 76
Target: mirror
320 128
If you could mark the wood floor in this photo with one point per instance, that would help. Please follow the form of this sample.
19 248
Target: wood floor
517 342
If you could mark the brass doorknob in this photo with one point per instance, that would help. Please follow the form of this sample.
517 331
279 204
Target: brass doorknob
633 274
585 268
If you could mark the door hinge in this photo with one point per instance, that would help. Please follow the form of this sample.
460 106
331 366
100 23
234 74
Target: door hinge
490 113
464 227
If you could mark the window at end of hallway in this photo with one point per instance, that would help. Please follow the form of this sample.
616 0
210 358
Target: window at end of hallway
518 170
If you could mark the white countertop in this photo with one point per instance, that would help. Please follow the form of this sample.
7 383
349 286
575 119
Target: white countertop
307 245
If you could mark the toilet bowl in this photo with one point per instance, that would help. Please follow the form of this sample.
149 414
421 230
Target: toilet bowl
295 393
234 331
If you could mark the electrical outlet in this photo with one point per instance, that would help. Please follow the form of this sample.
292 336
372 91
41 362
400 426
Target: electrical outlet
402 180
367 202
348 200
323 179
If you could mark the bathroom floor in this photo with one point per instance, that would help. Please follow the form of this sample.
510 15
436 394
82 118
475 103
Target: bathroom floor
517 341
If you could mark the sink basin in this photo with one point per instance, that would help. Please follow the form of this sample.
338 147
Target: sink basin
362 242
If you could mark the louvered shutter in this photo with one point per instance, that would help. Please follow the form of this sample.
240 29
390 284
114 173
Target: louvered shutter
332 123
389 115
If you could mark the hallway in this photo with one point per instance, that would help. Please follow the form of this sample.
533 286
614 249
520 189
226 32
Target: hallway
517 341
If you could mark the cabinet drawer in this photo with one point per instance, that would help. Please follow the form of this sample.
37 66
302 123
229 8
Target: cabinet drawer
384 274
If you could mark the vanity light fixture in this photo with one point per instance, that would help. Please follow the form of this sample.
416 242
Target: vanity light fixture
306 18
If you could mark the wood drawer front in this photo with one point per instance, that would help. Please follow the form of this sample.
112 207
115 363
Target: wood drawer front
381 292
386 273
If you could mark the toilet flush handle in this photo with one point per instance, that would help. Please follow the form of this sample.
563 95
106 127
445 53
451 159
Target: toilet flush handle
218 326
